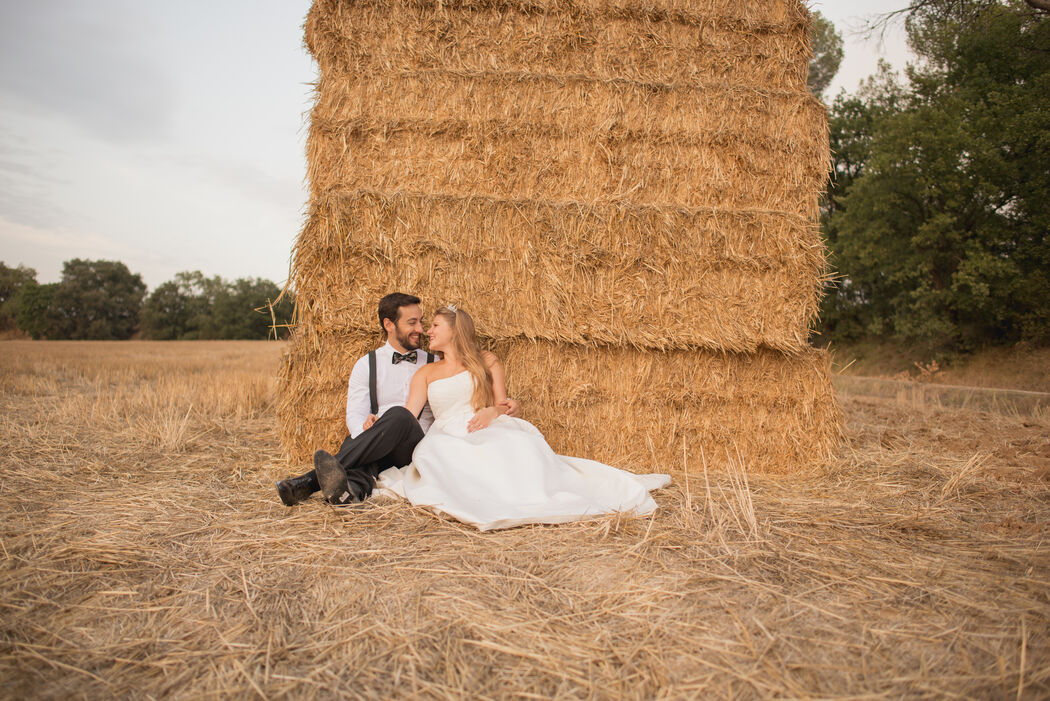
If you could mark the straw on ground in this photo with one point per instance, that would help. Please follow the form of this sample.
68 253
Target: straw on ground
144 553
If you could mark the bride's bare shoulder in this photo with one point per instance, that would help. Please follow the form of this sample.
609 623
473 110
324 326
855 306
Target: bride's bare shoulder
426 371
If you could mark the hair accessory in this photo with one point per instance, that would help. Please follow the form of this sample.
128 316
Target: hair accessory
452 307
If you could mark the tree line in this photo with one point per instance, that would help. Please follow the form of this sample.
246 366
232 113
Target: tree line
937 214
104 300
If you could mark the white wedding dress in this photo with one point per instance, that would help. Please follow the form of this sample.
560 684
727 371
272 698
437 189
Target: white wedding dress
506 475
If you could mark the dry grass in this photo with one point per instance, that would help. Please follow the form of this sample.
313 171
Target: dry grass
1019 367
144 553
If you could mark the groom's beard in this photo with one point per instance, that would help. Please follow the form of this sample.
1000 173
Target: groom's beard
410 341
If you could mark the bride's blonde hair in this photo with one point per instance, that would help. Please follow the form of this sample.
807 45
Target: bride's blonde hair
465 341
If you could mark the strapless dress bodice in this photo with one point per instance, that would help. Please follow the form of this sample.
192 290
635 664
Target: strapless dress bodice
449 397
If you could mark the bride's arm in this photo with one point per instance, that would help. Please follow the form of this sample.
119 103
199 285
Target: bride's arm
508 406
499 390
417 391
499 378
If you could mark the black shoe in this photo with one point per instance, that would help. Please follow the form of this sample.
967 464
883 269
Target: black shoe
296 489
332 478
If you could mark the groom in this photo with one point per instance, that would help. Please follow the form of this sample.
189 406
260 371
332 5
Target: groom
382 432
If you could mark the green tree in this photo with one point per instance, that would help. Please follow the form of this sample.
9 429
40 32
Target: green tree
12 281
182 308
963 11
97 299
200 293
940 236
165 313
37 315
826 43
192 306
847 308
241 310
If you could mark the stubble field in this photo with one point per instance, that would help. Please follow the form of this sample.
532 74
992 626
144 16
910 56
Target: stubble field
144 554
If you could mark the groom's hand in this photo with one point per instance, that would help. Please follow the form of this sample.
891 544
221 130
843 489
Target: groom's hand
368 422
512 407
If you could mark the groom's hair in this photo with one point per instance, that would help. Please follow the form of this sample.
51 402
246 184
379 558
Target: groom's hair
390 306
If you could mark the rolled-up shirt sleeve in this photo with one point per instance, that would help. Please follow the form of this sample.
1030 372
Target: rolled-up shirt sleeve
358 404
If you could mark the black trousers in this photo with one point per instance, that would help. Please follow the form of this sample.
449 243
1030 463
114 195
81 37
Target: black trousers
388 443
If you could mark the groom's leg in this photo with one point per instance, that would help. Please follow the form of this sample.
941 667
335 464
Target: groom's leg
364 476
389 442
401 455
295 489
391 438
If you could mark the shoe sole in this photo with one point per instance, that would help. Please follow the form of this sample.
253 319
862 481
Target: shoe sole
332 479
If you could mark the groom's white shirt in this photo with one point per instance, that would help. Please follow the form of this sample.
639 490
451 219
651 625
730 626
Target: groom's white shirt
392 383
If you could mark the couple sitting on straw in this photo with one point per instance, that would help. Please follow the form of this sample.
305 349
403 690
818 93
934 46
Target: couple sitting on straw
478 462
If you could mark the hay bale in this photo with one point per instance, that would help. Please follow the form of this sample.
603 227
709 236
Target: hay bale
622 193
627 407
602 42
640 276
375 140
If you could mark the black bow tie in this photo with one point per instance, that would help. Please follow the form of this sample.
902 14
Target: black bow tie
398 357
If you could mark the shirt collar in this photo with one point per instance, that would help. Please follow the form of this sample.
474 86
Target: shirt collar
388 351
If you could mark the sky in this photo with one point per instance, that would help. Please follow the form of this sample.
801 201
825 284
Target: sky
172 136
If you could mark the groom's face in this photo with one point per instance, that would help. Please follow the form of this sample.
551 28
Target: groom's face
408 331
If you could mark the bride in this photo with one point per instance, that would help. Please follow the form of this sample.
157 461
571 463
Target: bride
491 470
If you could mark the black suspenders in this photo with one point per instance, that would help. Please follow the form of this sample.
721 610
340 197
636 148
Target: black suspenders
373 394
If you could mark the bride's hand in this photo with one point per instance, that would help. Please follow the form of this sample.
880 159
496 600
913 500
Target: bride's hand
482 419
511 407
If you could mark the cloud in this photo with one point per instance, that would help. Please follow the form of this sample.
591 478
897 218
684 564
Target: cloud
161 134
45 248
249 180
89 62
27 177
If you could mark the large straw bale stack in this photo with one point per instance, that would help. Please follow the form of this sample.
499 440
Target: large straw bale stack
623 193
